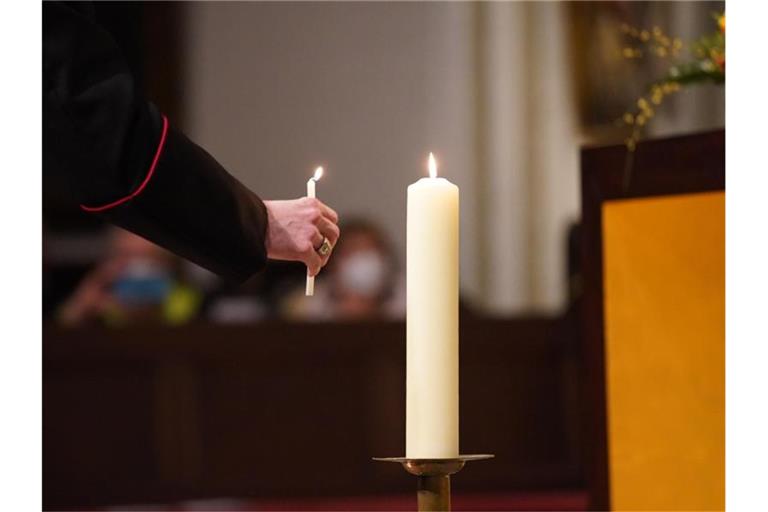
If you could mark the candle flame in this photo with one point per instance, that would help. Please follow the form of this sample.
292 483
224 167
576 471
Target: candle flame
432 166
318 173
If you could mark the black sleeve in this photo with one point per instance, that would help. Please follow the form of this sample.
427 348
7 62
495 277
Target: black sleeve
126 163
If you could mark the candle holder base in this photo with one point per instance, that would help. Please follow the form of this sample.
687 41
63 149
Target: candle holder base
433 478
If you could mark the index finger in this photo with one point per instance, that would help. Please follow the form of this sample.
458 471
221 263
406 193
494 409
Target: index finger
329 212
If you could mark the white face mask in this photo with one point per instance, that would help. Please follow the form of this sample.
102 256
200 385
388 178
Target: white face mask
364 273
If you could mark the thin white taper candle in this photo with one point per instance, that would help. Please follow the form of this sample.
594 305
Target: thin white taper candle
310 290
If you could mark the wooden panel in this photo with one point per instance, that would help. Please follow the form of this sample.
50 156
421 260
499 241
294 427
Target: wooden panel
675 165
152 415
664 278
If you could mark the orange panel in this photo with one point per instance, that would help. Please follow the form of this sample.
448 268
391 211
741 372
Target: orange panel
664 283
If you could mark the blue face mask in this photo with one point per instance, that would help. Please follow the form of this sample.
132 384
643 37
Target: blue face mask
142 283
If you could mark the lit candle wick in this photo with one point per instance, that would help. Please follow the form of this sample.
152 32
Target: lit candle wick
318 173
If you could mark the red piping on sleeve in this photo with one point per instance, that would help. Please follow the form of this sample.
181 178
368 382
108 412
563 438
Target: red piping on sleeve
143 183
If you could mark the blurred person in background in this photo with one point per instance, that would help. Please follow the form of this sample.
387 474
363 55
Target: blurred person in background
126 163
363 282
137 282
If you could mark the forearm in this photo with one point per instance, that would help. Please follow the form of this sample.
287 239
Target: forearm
193 207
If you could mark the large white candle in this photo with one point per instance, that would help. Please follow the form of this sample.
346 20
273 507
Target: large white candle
432 376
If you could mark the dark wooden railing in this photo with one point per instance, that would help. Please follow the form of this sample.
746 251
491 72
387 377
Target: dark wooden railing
162 414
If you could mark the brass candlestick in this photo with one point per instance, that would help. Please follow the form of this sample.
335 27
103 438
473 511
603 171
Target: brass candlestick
433 478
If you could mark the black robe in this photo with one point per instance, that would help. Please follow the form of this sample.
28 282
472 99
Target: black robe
126 162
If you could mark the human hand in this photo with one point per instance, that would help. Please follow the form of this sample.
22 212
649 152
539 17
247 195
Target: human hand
296 230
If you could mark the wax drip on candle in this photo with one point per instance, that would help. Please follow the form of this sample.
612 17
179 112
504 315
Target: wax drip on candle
432 166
